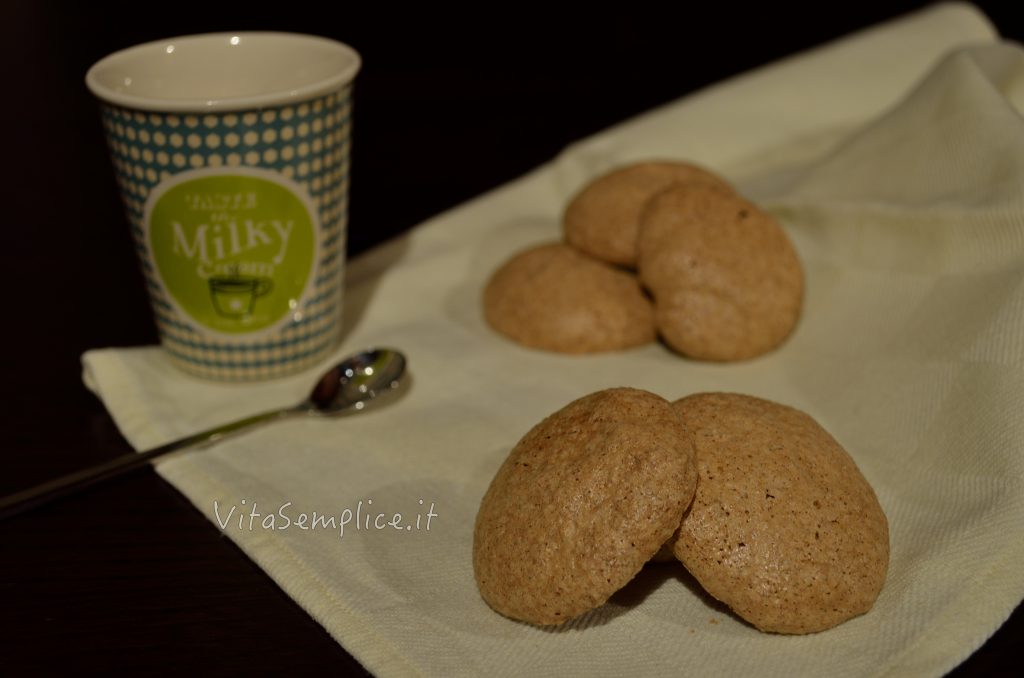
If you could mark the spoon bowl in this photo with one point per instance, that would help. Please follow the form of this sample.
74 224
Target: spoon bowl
357 380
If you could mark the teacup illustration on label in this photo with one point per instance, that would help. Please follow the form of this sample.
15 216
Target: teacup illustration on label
235 249
236 297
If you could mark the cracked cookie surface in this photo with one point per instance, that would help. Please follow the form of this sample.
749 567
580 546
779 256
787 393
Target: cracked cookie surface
587 497
784 528
726 280
553 298
603 219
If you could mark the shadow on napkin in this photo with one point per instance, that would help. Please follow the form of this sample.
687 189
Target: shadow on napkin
363 277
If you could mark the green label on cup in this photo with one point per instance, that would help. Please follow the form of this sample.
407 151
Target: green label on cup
235 250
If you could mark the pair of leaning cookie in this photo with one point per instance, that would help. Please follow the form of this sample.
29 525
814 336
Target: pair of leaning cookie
725 280
757 501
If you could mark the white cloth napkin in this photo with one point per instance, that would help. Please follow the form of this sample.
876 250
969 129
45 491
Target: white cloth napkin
895 158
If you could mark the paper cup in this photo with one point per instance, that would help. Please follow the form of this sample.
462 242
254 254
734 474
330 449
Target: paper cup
232 154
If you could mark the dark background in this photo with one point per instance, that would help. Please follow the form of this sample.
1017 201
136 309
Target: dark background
448 105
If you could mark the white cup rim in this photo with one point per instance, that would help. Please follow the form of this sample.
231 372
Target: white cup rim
142 77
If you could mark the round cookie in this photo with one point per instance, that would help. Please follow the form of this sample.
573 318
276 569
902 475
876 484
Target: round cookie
581 503
783 529
552 297
726 280
603 219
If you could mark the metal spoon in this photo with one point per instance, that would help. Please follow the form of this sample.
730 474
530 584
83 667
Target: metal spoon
344 389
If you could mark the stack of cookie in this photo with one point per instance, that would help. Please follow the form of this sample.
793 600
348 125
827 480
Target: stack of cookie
656 248
763 507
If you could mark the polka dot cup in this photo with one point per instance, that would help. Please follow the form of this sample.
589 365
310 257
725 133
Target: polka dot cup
232 155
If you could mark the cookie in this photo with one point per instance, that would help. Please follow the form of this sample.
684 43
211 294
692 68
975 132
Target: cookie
552 297
726 280
783 529
603 219
581 503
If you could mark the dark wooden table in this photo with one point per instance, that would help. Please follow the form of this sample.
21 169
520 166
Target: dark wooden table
131 576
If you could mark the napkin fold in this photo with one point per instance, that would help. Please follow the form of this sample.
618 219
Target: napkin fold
895 160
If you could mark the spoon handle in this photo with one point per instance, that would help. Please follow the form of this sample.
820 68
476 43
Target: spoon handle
24 500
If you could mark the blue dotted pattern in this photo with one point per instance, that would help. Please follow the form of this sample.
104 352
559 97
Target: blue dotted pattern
309 144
